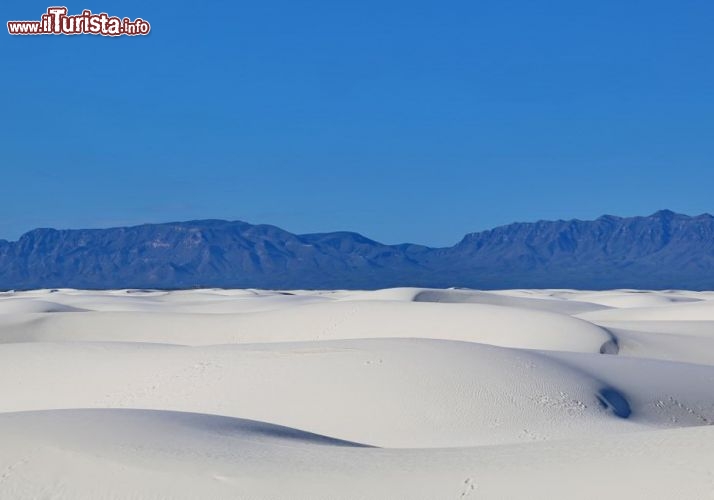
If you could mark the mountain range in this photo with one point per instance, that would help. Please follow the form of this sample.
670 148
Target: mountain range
662 251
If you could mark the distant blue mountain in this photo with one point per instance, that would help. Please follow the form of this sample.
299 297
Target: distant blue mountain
663 250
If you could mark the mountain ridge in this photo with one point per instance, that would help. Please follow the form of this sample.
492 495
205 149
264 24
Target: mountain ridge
661 250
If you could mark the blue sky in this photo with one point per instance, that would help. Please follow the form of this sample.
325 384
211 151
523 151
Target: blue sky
405 121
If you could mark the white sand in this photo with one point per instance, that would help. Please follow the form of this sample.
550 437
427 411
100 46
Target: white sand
401 393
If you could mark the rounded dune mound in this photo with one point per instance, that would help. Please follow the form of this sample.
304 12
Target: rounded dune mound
89 424
482 323
91 454
539 302
183 301
406 393
688 311
684 341
331 320
635 299
24 306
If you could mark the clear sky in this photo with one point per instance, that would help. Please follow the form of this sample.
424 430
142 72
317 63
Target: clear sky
403 120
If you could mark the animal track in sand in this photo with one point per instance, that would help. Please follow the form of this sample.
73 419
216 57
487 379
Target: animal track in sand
526 435
10 469
469 487
564 402
675 403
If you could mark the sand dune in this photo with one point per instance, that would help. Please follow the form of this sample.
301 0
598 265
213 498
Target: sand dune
332 320
400 393
670 311
89 454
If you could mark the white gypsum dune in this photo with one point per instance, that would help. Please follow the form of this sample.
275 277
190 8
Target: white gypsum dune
399 393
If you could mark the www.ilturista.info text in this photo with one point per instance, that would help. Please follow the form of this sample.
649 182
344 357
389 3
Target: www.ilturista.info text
56 22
